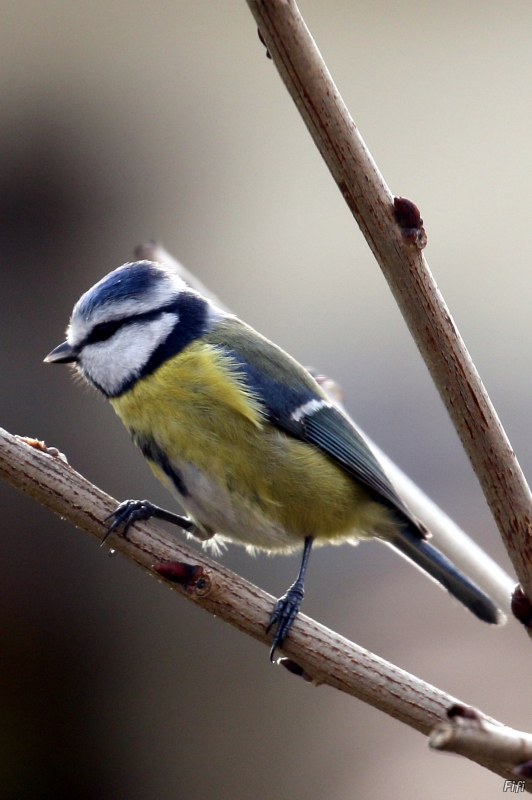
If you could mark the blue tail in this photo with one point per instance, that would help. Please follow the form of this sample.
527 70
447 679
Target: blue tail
422 553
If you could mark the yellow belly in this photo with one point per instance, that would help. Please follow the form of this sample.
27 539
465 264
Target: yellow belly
244 477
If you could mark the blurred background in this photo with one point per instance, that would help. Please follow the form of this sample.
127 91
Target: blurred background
132 120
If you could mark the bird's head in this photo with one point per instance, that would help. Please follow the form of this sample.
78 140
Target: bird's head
129 323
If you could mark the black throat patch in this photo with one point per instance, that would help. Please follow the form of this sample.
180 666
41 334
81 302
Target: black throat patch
192 311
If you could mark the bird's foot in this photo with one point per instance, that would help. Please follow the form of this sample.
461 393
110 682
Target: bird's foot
284 613
126 514
131 511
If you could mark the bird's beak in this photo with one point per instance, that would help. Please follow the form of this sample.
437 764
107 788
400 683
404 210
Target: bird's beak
64 354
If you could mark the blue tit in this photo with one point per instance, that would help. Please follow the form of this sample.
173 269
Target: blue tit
238 431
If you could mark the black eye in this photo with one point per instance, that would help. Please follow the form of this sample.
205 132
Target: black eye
103 331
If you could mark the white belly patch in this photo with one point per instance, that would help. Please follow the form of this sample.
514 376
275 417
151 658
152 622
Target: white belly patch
232 516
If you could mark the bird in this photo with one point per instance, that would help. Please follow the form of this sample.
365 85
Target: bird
239 432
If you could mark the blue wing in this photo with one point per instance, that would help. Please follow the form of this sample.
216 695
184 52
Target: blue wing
285 390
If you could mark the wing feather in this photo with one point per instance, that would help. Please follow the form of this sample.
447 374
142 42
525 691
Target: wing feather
285 389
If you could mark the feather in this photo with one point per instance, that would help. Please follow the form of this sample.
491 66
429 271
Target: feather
286 390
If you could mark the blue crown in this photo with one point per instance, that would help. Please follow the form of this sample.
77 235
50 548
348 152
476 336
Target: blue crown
127 282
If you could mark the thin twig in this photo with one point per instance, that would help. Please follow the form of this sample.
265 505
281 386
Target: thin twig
322 655
307 79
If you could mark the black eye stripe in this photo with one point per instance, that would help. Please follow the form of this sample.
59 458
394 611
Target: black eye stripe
104 330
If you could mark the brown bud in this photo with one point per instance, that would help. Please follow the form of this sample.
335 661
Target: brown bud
466 712
294 668
261 37
410 221
521 607
179 572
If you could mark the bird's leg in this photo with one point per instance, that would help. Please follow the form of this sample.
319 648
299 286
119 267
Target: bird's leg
286 608
131 511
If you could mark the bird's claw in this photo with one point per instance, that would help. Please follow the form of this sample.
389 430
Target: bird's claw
126 514
283 615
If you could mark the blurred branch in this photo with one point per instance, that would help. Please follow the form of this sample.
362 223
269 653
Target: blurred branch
448 537
320 654
306 77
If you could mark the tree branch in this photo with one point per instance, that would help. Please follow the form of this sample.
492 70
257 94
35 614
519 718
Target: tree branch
320 654
306 77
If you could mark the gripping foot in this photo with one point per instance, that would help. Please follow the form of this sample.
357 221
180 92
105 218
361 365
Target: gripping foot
131 511
287 607
284 613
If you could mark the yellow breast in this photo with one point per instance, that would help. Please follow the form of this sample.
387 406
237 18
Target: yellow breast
196 410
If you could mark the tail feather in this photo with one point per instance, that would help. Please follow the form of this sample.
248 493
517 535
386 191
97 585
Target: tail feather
425 555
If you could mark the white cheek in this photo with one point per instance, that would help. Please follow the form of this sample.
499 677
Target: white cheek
113 363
